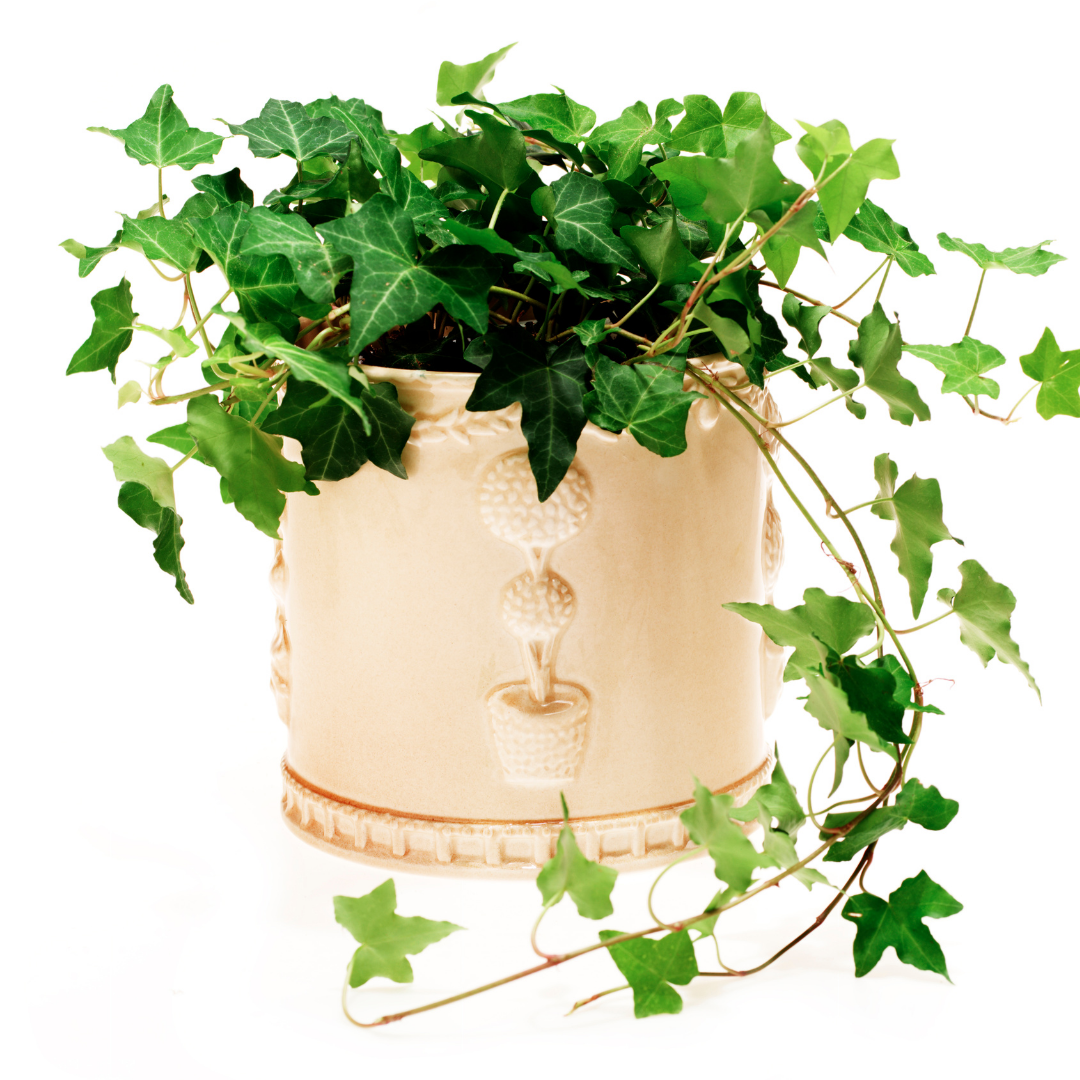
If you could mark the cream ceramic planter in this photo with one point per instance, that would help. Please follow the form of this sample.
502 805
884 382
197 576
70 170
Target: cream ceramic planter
452 654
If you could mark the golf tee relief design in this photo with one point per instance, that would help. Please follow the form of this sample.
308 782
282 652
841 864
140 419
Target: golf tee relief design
539 724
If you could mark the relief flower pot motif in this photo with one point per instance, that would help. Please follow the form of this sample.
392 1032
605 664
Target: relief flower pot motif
452 654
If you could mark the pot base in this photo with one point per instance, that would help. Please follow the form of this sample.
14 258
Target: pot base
440 845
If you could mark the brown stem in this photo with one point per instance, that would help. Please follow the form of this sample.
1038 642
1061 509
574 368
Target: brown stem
811 300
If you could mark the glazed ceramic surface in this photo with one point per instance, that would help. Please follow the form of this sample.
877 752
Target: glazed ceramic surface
452 654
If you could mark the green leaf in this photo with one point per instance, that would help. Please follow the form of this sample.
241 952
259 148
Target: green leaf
175 338
496 157
916 508
419 139
128 394
111 333
663 253
651 967
176 438
385 937
876 231
776 799
89 257
805 319
963 366
781 849
820 623
172 241
589 884
161 136
390 288
249 460
130 463
924 806
562 116
877 351
582 210
284 127
871 691
646 399
984 608
1058 374
317 266
1030 260
705 129
829 705
898 922
331 435
457 79
550 385
138 502
225 188
724 189
781 251
710 826
620 142
904 685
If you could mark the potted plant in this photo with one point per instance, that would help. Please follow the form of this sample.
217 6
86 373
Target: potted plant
522 364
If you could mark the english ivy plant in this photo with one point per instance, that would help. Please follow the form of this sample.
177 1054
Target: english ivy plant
583 270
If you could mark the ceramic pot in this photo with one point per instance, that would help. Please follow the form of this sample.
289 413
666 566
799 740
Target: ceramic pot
452 654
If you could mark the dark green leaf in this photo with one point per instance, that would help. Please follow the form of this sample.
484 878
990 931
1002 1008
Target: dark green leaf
871 691
89 257
582 211
455 79
620 142
496 157
284 127
385 937
898 922
562 116
317 266
1030 260
829 705
876 231
111 333
877 351
1058 374
984 607
650 967
963 366
707 130
225 188
550 387
589 884
331 434
139 504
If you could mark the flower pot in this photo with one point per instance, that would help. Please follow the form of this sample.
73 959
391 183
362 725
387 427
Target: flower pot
453 654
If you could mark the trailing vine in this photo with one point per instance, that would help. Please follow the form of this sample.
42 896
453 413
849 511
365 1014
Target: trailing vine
589 273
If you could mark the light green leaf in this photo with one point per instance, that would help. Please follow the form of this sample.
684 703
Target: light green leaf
161 136
130 463
172 241
963 365
284 127
781 251
898 922
706 130
916 508
582 211
496 156
589 884
1058 374
385 937
89 257
776 799
620 142
829 705
1030 260
877 351
130 392
111 333
317 266
650 967
984 608
249 460
876 231
176 438
732 336
562 116
176 338
781 849
139 504
663 253
457 79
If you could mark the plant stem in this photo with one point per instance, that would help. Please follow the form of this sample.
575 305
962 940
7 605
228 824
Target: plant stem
160 195
864 284
275 386
522 297
648 295
498 207
810 788
532 937
810 300
978 293
161 273
192 394
929 622
210 314
862 768
881 287
656 881
1008 419
527 298
818 408
200 322
869 502
596 997
187 457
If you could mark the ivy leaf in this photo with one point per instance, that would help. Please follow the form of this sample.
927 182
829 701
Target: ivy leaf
557 113
776 799
152 473
723 189
1058 374
710 826
588 883
781 251
898 922
651 967
162 137
620 142
496 157
829 705
820 623
390 288
924 806
176 338
317 266
663 253
963 366
984 607
876 231
916 508
111 333
705 129
225 188
331 435
89 257
457 79
877 351
249 460
550 385
823 372
871 691
284 127
140 505
265 286
904 685
176 438
385 937
1030 260
172 241
582 210
646 399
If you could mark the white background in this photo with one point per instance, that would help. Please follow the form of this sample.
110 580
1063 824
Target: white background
159 921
